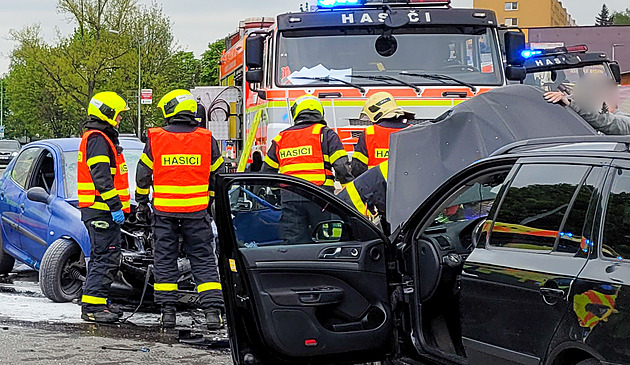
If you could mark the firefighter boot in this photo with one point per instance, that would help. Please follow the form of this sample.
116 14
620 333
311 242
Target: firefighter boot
99 316
168 318
214 321
114 309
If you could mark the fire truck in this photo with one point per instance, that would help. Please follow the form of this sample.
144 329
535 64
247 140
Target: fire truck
429 56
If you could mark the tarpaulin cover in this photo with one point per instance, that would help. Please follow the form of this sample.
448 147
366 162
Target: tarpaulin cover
425 156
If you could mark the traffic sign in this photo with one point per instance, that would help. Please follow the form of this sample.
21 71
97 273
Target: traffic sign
146 96
1 131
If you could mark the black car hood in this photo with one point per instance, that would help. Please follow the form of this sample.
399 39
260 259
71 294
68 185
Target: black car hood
425 156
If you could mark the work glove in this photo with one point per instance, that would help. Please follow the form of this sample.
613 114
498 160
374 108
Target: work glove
118 217
143 213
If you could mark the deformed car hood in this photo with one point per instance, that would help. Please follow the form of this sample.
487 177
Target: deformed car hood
425 156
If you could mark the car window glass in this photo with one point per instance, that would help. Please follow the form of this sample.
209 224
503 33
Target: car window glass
533 209
573 237
23 165
616 242
455 222
132 156
268 215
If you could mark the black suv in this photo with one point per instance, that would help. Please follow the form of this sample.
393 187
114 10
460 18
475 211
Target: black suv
521 258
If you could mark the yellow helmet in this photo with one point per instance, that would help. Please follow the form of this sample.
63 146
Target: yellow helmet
177 101
382 105
106 106
306 102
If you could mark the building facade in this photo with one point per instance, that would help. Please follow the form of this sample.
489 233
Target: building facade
528 13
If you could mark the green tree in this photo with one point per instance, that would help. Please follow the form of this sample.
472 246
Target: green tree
210 63
603 18
621 17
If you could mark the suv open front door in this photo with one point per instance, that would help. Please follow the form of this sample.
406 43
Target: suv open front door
305 277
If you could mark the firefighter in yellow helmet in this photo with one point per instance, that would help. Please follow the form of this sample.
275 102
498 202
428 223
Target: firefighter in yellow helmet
103 191
373 147
311 151
180 162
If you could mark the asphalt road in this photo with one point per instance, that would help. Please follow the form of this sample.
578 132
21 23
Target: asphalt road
34 330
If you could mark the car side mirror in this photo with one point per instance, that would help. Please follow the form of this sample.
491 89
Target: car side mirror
514 46
616 71
254 76
328 231
38 194
254 50
515 73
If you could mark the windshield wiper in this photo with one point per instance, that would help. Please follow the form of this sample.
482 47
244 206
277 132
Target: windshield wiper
388 78
331 79
441 77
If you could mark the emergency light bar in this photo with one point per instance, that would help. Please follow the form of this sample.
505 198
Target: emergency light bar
332 4
529 53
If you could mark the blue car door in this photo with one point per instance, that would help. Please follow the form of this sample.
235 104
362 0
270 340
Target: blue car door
35 216
12 195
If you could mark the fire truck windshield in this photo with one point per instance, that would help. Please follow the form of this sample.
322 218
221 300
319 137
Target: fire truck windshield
557 79
469 54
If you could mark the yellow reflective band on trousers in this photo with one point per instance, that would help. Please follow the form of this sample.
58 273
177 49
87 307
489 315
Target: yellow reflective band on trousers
301 167
356 199
164 287
208 286
88 299
161 202
166 189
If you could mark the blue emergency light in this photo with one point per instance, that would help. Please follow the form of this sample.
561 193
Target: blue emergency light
331 4
529 53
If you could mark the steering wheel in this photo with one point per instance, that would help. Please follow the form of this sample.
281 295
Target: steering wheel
461 68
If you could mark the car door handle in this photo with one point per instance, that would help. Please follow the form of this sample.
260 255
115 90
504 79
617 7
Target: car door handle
22 207
320 296
331 253
552 293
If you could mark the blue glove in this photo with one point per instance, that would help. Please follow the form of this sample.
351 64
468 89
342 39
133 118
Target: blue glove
118 216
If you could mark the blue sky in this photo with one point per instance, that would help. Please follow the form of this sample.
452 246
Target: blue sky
197 22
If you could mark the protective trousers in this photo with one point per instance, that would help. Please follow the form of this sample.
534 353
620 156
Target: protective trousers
104 262
198 236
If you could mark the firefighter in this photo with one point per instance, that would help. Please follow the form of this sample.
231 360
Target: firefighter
103 191
311 151
368 193
180 162
373 147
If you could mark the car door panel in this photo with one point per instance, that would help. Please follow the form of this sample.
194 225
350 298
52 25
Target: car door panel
516 286
301 302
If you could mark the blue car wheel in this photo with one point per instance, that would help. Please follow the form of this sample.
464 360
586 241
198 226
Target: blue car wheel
62 271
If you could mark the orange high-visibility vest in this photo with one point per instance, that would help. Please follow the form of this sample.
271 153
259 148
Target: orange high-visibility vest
300 154
181 170
377 143
89 196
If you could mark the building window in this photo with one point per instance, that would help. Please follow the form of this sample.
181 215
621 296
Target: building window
511 5
511 22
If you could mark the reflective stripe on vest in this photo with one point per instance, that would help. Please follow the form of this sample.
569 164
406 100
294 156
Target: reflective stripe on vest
377 143
181 170
300 154
89 196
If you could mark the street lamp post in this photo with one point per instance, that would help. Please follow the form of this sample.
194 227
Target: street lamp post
1 100
615 45
139 83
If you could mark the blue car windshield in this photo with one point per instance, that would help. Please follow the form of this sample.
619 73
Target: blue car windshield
132 156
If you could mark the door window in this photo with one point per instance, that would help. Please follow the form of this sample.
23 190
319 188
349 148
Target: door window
23 165
43 175
616 242
534 207
268 215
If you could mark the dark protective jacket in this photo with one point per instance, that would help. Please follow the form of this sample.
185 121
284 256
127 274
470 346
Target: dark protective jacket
180 123
335 156
368 192
101 172
617 122
361 155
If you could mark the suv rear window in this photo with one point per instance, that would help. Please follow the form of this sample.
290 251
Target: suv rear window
531 215
616 243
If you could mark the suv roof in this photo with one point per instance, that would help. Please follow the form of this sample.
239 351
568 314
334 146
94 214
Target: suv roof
600 145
